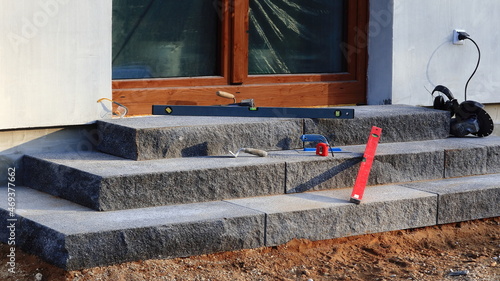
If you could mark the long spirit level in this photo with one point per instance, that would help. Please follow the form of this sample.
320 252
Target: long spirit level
245 111
366 165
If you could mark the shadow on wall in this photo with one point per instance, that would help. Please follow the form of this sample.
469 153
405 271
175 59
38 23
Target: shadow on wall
14 144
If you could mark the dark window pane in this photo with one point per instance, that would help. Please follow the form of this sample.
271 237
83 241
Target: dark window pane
296 36
165 38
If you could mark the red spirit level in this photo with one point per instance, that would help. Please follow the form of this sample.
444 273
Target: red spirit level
366 165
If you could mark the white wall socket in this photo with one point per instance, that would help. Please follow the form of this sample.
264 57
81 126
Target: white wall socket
455 37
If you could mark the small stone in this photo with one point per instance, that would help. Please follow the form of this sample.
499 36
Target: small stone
458 273
38 277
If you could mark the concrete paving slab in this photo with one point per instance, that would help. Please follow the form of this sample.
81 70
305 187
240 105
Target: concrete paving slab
157 137
73 237
328 214
465 198
400 123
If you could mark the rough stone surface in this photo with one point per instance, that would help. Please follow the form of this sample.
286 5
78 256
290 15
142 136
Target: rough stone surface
394 162
464 158
321 174
400 123
328 214
465 198
158 137
492 143
73 237
103 182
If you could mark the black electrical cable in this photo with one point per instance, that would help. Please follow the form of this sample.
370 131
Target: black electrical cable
477 65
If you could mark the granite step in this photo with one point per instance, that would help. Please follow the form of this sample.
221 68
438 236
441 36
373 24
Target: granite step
74 237
158 137
103 182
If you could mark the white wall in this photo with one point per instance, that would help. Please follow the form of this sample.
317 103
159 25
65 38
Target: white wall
380 44
55 61
423 55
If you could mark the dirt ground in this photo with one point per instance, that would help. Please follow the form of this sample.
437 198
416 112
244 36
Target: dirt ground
469 250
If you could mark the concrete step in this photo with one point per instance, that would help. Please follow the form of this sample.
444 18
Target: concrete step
103 182
74 237
157 137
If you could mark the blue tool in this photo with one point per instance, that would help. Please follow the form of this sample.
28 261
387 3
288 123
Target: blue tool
332 149
320 139
314 138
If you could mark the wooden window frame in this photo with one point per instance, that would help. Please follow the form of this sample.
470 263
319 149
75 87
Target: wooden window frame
267 90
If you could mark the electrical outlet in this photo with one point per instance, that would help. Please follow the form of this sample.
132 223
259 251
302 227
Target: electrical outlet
455 37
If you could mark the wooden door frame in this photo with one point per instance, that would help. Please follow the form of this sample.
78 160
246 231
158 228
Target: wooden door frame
267 90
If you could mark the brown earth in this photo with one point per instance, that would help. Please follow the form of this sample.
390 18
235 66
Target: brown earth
431 253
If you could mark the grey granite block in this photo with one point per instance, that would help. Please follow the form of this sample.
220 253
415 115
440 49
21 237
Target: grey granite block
466 198
74 237
400 123
492 143
328 214
405 162
471 156
321 174
393 163
103 182
158 137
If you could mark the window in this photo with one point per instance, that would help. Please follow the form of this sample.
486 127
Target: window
161 39
278 52
290 37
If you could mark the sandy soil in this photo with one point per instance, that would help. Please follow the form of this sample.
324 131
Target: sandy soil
469 250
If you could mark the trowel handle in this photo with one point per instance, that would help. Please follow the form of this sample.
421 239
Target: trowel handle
225 95
258 152
313 137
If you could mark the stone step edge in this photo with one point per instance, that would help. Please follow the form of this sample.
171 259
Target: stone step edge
288 172
62 232
157 137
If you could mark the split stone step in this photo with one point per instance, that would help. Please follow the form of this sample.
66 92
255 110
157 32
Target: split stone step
105 183
73 237
464 198
158 137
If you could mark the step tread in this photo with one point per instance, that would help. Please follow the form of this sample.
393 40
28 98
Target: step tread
70 218
464 198
154 137
105 182
160 122
50 225
106 165
157 137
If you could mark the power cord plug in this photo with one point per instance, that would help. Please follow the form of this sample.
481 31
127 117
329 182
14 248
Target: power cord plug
462 35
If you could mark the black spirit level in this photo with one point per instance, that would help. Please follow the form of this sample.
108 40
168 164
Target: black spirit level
245 111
